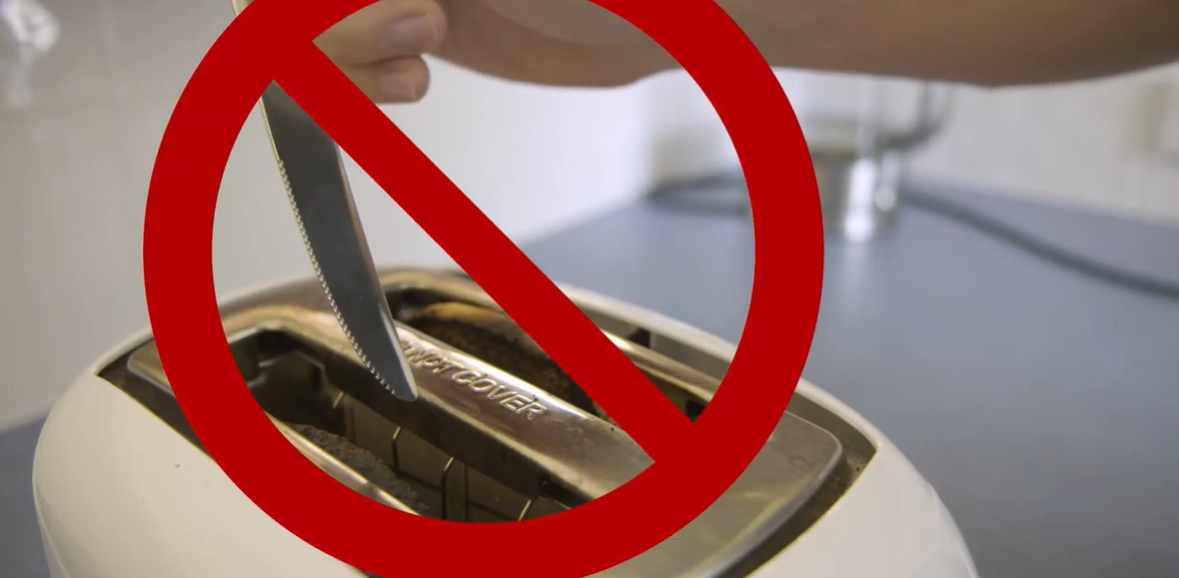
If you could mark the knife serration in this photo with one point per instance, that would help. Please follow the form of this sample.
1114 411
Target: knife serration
316 183
313 174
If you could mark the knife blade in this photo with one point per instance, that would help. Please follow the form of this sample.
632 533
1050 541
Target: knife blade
316 183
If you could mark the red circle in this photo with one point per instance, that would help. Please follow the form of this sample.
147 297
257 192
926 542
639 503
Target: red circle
269 41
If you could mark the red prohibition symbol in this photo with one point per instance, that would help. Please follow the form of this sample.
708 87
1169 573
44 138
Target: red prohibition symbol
271 41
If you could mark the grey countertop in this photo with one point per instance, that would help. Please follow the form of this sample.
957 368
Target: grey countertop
1038 401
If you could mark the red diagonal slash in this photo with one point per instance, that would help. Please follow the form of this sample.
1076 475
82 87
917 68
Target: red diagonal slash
483 251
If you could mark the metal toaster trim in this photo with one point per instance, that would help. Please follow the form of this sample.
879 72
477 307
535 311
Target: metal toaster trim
482 425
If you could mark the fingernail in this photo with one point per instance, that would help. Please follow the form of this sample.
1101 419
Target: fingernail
398 85
414 34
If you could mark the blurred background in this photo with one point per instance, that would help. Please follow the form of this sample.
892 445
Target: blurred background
88 86
81 122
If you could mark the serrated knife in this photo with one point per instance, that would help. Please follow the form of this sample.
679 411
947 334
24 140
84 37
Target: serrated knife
313 174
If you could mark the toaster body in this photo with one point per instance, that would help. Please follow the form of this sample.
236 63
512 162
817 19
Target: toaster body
123 489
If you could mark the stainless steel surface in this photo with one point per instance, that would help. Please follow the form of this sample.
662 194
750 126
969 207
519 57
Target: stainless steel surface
932 111
483 445
146 363
313 173
859 194
860 164
859 169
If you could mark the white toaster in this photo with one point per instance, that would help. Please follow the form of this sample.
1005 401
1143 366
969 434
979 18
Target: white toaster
124 490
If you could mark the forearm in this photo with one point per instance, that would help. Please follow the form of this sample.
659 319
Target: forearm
984 42
575 43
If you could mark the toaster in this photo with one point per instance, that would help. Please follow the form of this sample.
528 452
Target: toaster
499 433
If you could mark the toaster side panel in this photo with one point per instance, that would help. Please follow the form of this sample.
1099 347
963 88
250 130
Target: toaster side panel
121 495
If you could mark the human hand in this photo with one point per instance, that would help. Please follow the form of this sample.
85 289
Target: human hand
554 42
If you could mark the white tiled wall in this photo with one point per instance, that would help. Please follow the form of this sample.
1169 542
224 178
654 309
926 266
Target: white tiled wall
1096 145
74 169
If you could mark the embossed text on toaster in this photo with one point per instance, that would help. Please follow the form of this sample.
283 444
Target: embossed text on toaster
475 381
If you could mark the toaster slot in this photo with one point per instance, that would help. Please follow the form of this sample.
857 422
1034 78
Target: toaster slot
480 444
459 313
685 373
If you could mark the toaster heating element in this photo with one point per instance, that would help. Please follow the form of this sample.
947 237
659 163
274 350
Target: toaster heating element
500 432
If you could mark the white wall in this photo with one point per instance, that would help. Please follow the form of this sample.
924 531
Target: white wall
1096 145
74 169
